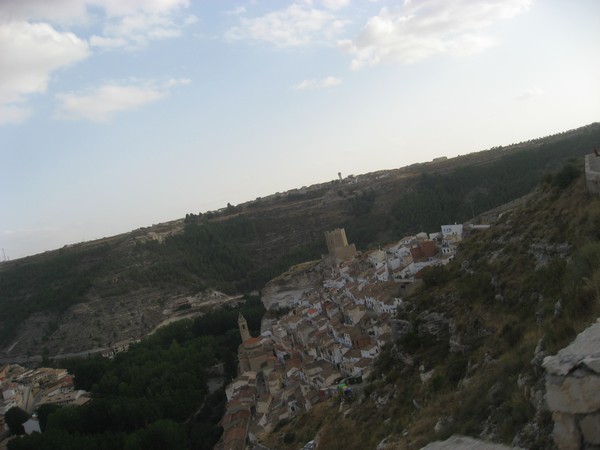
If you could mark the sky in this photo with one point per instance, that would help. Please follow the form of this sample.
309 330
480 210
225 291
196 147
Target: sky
119 114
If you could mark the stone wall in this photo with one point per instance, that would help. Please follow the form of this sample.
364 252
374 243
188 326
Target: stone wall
573 392
592 173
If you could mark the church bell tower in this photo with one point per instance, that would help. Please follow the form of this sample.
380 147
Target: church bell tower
243 325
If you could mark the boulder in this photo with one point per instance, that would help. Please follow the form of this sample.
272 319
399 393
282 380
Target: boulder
574 395
464 443
566 434
590 427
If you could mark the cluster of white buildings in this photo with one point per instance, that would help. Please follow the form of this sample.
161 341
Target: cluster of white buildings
29 389
332 332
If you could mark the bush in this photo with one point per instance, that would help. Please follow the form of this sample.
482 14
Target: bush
565 176
289 437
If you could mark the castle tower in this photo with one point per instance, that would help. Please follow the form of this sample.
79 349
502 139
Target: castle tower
337 246
243 325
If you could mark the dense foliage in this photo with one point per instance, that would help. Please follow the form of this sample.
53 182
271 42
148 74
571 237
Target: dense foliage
459 195
54 283
205 254
154 396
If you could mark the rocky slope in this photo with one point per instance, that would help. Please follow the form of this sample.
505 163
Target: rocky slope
469 346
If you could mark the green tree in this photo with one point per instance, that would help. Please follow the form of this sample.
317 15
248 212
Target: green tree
43 412
15 418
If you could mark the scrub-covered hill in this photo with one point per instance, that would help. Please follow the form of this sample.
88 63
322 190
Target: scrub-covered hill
91 295
468 347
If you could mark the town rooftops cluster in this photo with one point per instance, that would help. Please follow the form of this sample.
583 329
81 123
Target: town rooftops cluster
333 331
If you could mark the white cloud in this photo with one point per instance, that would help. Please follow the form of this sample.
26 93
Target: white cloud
32 48
81 11
135 24
318 84
102 103
295 25
236 11
11 114
530 93
56 11
329 4
104 42
131 7
190 20
419 30
335 4
136 30
125 23
29 54
173 82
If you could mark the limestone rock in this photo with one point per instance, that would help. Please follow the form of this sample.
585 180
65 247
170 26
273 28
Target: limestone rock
584 349
575 395
590 427
592 363
390 442
434 324
464 443
442 424
566 433
287 290
538 354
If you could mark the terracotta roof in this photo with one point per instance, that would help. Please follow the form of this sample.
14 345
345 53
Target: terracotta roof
251 342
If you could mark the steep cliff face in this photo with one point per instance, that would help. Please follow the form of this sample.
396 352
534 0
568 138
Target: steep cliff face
573 391
286 290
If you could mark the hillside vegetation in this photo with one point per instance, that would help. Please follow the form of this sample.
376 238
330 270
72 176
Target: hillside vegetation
91 295
469 344
156 395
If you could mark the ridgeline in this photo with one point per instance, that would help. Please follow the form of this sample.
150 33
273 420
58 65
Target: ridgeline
88 296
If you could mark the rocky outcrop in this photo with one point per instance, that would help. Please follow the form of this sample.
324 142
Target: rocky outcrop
573 391
592 173
464 443
286 290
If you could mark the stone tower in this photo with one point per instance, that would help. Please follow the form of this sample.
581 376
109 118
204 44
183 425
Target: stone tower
244 333
338 247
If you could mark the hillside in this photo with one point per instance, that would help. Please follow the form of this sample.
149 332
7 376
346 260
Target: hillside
468 346
92 295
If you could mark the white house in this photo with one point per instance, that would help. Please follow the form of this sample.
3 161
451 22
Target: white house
452 230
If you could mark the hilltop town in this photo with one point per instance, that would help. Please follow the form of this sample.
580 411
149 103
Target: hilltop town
334 317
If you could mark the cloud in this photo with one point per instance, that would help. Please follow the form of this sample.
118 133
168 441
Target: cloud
127 24
329 4
78 12
35 43
63 12
296 25
422 29
236 11
318 84
102 103
173 82
11 114
131 28
129 7
29 54
105 42
530 93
